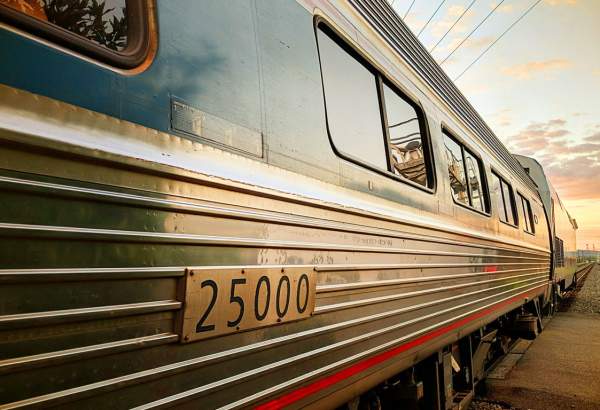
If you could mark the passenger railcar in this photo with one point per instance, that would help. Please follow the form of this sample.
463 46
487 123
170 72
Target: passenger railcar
234 204
562 227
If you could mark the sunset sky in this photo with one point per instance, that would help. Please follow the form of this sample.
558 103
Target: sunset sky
538 87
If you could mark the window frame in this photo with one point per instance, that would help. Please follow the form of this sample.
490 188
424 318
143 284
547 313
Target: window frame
138 35
484 182
513 200
530 211
380 79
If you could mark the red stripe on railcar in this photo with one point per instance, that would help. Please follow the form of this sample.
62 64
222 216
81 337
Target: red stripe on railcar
365 364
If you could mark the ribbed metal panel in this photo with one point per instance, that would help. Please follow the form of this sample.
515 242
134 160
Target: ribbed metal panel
391 27
102 332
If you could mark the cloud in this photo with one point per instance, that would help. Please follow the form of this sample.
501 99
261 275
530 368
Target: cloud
539 136
573 168
447 20
561 2
576 178
593 138
479 42
505 8
526 70
475 88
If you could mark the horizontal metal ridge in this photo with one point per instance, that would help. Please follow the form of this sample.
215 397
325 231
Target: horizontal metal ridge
85 274
392 266
391 27
403 281
81 274
71 232
179 367
254 373
272 216
398 296
63 356
71 315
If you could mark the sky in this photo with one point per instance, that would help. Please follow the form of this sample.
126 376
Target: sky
538 86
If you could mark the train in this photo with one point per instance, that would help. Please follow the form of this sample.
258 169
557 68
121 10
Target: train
255 204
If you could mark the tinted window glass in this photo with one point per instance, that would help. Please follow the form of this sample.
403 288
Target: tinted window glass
456 169
508 203
497 192
474 176
102 21
353 113
527 215
406 143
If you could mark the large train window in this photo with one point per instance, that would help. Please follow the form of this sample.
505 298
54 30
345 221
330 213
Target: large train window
525 208
466 175
113 31
370 121
505 199
408 149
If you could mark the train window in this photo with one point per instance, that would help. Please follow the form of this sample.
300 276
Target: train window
527 214
370 122
113 31
352 102
466 175
509 201
458 180
497 190
407 147
474 177
505 199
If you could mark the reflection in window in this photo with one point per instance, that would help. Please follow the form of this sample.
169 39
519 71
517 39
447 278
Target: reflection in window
527 214
406 144
497 192
456 169
509 200
466 175
474 177
352 103
102 21
505 199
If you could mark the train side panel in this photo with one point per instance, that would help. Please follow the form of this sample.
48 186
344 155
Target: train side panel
106 209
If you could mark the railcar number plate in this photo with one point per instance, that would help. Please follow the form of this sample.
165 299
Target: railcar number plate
222 301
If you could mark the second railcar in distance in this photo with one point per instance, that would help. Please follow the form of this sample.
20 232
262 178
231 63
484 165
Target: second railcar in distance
562 227
253 203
